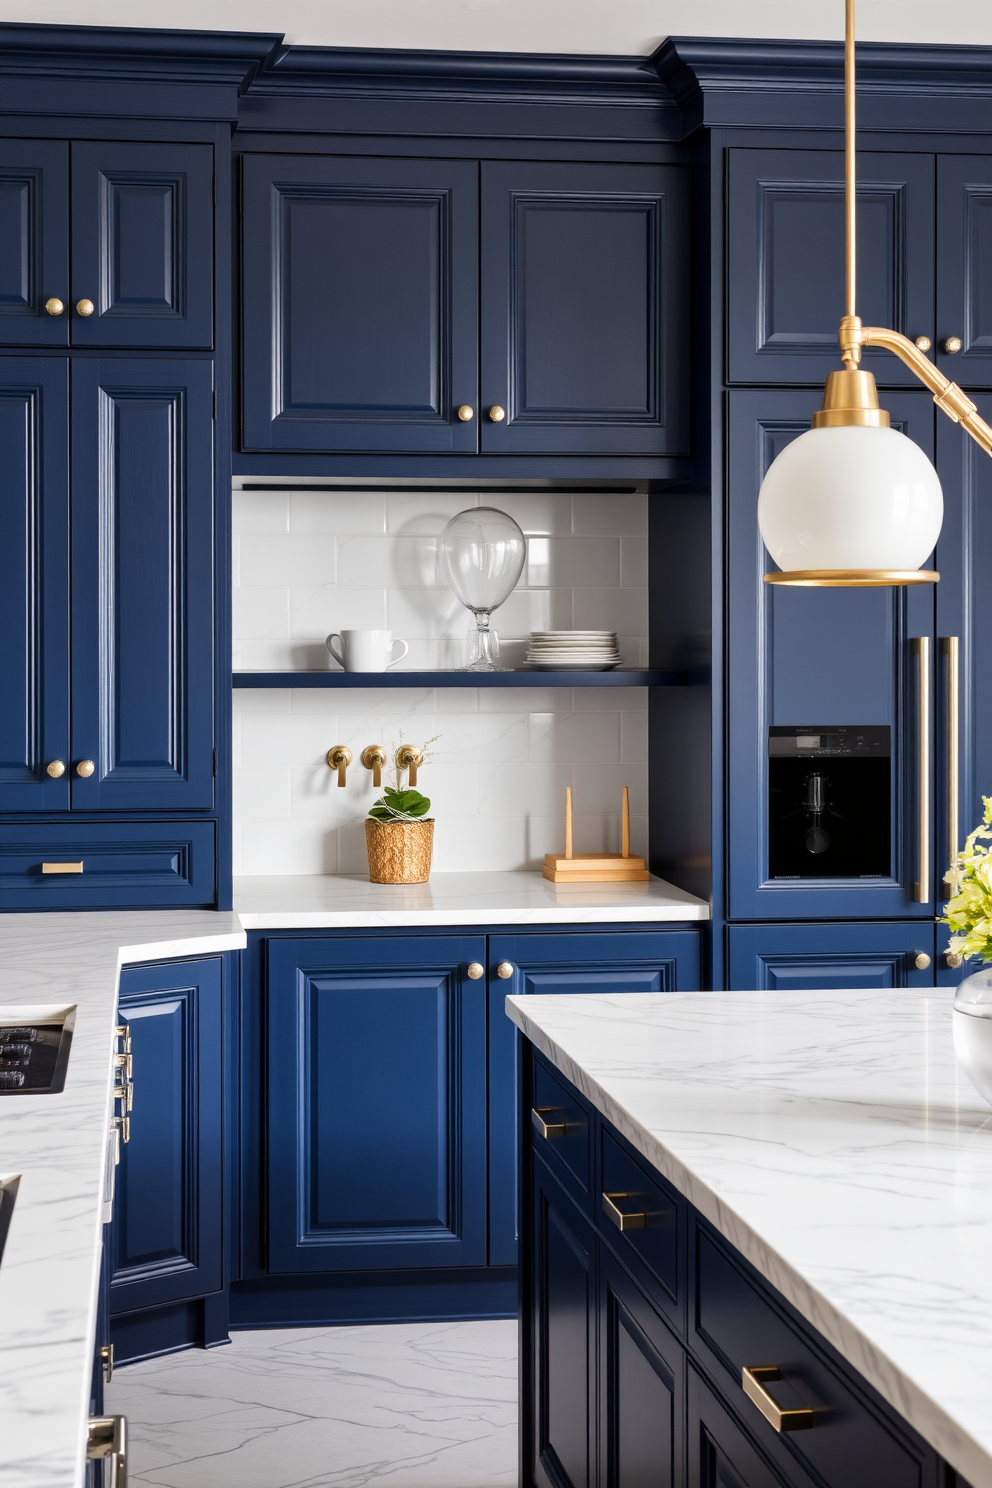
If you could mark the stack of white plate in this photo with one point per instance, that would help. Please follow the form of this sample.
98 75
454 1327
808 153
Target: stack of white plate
581 650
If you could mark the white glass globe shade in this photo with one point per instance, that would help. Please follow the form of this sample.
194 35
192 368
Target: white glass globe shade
850 497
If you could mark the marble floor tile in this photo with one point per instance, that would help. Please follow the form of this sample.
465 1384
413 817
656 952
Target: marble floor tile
409 1405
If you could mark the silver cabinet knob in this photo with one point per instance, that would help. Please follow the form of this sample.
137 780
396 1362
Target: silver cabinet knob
923 342
85 768
921 960
55 768
475 970
953 344
954 960
504 970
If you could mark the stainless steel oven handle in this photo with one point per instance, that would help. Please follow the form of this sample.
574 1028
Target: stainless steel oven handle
921 888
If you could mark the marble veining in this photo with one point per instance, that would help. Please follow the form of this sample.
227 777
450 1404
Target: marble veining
831 1137
408 1405
315 901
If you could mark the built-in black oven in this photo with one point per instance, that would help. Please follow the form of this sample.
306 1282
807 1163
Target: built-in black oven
829 789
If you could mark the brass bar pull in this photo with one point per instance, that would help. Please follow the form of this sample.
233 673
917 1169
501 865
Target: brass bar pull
547 1128
780 1418
952 650
61 867
106 1438
921 888
624 1220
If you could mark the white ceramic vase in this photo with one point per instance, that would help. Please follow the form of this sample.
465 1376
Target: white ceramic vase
972 1024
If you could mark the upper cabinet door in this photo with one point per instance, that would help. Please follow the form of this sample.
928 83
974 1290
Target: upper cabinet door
34 582
142 244
964 267
142 584
359 304
785 255
824 661
584 309
34 241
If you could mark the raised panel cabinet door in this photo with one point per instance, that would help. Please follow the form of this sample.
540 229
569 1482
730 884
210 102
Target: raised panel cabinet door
817 659
376 1136
964 612
785 257
34 582
142 584
167 1233
359 314
720 1454
34 242
801 958
562 1331
964 268
650 961
142 244
641 1388
584 308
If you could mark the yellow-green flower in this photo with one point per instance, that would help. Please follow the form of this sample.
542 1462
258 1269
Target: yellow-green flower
969 910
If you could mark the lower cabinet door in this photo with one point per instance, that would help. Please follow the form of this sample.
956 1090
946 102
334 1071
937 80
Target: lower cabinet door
801 958
167 1232
563 1339
617 961
641 1388
720 1454
376 1095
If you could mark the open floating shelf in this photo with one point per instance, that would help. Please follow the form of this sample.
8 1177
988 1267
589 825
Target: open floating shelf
628 677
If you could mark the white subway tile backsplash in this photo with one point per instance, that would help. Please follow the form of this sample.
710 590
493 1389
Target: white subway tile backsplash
310 562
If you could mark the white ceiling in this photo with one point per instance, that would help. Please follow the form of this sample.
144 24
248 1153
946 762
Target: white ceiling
626 27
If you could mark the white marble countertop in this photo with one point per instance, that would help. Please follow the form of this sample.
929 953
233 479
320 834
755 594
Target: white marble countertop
832 1139
341 900
49 1277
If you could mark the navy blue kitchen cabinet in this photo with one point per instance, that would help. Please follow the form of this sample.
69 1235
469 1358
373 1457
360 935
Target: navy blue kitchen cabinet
584 315
964 268
168 1227
359 304
786 260
619 961
142 584
34 581
34 241
376 1094
807 957
818 658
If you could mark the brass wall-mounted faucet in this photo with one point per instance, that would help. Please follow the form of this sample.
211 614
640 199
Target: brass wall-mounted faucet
339 758
409 757
373 758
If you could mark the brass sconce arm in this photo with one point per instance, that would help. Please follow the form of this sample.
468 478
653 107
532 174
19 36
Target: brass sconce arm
946 394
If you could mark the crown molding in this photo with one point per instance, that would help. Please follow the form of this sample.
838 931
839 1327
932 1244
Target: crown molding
134 55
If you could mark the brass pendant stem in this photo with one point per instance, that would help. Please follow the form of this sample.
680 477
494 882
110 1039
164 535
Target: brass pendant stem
850 169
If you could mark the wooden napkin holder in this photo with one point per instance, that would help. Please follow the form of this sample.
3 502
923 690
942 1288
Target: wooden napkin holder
621 867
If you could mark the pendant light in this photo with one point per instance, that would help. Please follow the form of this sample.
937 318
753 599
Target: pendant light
854 503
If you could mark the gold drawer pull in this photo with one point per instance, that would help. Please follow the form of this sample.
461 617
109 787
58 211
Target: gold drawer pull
636 1220
61 867
547 1128
781 1418
106 1437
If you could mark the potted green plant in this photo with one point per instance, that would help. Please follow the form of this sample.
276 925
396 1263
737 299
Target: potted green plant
399 836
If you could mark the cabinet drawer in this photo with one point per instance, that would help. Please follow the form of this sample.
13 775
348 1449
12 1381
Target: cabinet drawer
849 1443
651 1218
124 865
568 1126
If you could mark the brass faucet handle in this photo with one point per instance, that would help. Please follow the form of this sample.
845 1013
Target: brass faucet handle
373 758
339 758
409 757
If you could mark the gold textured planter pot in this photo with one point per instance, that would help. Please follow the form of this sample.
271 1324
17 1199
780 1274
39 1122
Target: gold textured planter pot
399 852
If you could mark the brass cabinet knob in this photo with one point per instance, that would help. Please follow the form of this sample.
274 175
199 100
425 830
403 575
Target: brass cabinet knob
339 758
54 306
954 960
55 768
921 960
85 768
504 970
923 342
953 344
409 757
85 307
373 758
497 414
466 413
475 970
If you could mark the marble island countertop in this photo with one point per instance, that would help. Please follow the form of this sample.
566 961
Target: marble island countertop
832 1138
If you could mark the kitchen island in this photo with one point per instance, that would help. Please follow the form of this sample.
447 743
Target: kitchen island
825 1144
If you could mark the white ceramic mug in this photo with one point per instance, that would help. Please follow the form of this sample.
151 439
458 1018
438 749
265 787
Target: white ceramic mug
365 650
